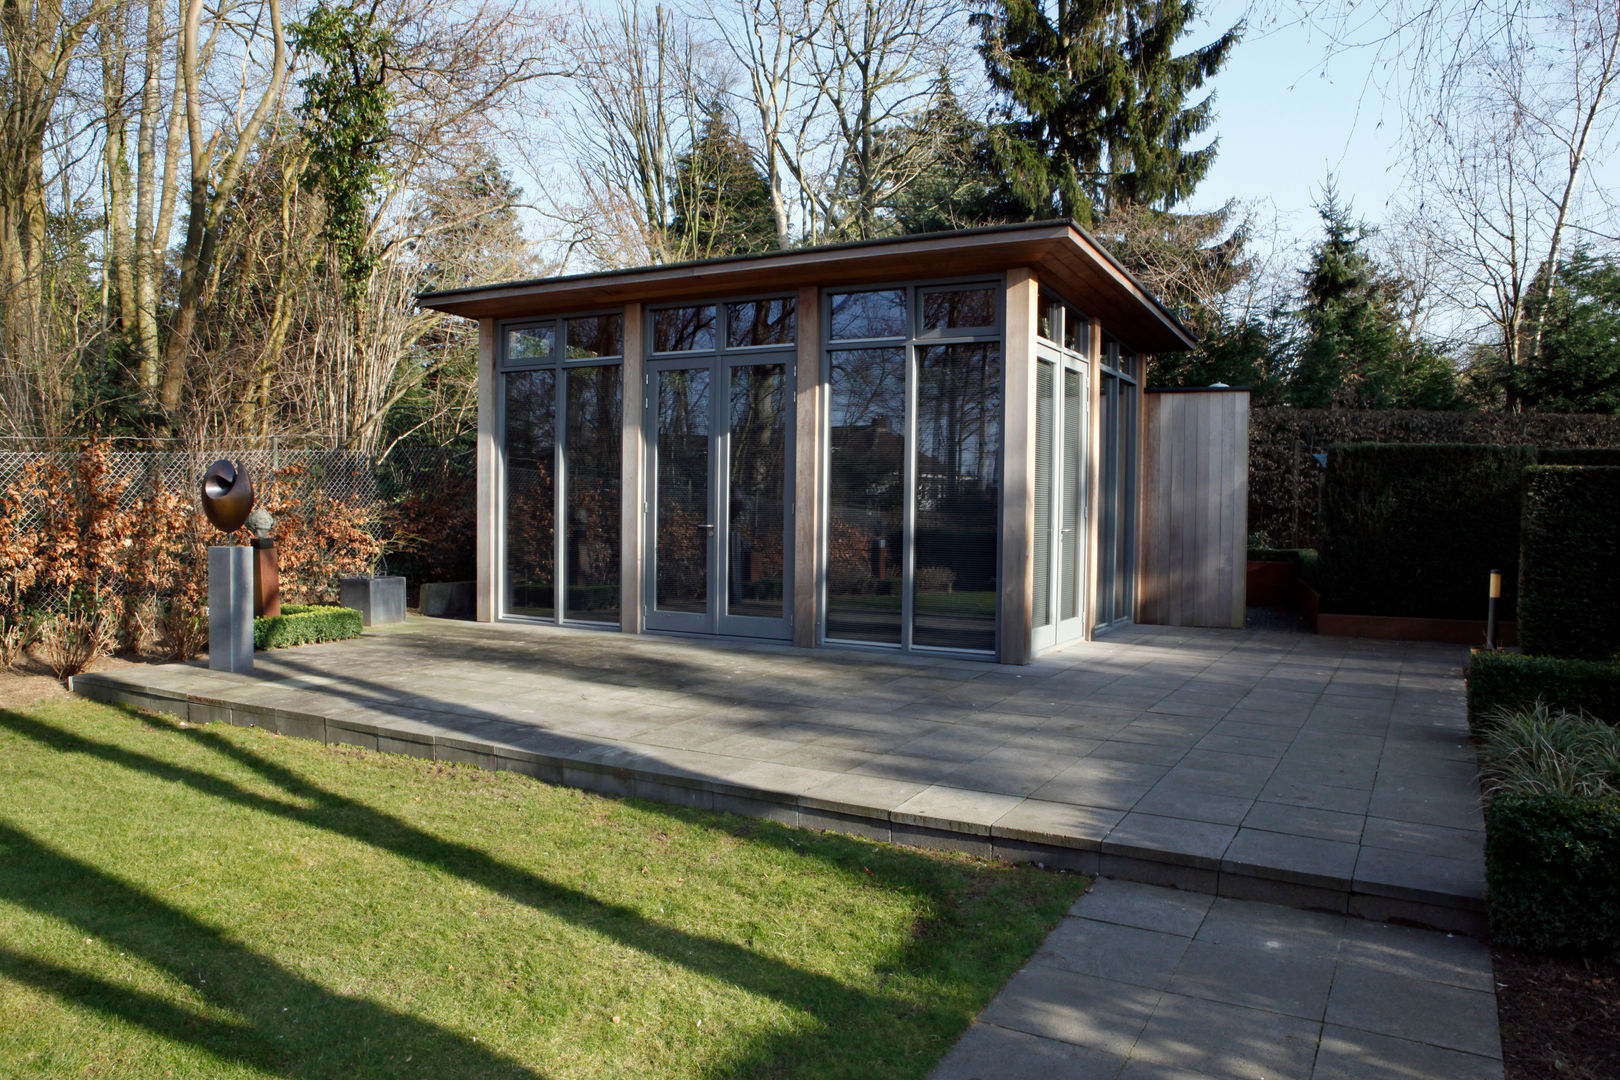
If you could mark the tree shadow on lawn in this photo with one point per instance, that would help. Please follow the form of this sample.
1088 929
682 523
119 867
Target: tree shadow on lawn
963 972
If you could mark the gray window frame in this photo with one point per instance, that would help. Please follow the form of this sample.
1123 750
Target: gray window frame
916 338
559 449
718 621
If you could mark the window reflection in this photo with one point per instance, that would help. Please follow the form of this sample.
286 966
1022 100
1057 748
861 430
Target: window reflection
591 545
595 335
761 322
681 537
756 533
530 495
867 494
685 329
861 315
949 309
530 343
958 494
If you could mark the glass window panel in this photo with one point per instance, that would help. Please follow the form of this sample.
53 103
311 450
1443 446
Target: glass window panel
1049 318
591 524
861 315
681 539
761 322
595 335
530 343
867 494
1076 331
1107 498
686 329
1045 408
757 518
530 495
949 309
1073 493
958 495
1125 531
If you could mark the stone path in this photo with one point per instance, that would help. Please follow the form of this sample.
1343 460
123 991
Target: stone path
1328 773
1143 982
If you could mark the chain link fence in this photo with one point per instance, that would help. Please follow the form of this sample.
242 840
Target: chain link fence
416 500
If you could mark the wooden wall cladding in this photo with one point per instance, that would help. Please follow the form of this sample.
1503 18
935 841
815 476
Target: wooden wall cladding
1194 508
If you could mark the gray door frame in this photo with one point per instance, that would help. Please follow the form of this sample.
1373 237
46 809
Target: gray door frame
716 619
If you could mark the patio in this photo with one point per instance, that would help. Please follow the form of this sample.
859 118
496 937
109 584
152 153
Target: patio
1327 773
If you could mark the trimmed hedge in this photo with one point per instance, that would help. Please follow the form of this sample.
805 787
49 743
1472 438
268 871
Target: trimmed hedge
1285 481
1585 457
305 624
1287 555
1416 530
1503 680
1569 576
1552 865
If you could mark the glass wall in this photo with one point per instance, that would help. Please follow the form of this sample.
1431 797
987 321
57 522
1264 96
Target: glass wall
561 434
720 437
914 474
1062 365
1116 532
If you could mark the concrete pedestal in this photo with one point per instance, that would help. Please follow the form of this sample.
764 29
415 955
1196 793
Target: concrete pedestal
230 608
379 600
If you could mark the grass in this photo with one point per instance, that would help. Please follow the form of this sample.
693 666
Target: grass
222 902
1546 751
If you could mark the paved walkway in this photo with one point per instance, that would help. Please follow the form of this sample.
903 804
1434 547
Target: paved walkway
1143 982
1326 773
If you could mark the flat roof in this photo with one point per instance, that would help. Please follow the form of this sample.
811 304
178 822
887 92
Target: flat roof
1061 254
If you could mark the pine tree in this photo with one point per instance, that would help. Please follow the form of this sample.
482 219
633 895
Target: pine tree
722 205
1097 102
1353 349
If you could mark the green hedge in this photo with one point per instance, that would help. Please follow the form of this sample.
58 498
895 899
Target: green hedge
1287 555
1502 680
1602 455
1569 576
1552 864
1415 530
305 624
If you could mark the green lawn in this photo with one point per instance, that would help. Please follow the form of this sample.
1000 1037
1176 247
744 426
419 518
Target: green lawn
222 902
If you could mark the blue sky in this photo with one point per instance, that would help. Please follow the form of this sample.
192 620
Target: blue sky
1288 115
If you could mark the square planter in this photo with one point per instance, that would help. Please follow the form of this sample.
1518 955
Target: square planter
379 600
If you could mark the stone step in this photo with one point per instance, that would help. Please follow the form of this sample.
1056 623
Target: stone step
1238 862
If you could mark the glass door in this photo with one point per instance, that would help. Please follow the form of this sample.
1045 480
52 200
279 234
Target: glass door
1060 485
719 509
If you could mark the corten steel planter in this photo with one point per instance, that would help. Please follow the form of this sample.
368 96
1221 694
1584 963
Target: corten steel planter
266 578
1271 583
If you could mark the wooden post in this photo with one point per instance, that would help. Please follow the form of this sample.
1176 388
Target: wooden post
489 465
632 473
809 472
1015 622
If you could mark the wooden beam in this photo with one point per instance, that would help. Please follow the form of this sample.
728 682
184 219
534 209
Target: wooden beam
487 493
1016 610
632 474
809 473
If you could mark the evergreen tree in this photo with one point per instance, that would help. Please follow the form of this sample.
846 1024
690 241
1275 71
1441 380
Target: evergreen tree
1352 347
956 185
1578 367
1097 102
722 205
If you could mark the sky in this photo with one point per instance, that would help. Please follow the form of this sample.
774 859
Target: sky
1289 114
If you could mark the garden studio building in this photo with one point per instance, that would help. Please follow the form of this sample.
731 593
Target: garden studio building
926 444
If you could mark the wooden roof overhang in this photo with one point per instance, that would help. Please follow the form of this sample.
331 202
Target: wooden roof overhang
1061 254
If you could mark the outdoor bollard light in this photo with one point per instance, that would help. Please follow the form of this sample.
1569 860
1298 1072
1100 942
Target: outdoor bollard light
227 498
1490 611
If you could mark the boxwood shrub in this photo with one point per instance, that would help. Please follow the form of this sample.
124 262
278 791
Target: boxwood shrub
1415 530
1552 864
305 624
1502 680
1569 577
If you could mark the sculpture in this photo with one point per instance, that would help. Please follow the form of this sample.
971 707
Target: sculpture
227 495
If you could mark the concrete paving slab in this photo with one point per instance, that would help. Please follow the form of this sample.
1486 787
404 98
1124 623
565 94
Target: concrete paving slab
1241 763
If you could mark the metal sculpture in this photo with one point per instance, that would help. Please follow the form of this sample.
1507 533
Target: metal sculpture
227 495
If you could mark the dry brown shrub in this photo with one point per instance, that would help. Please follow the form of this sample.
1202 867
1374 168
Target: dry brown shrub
68 642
